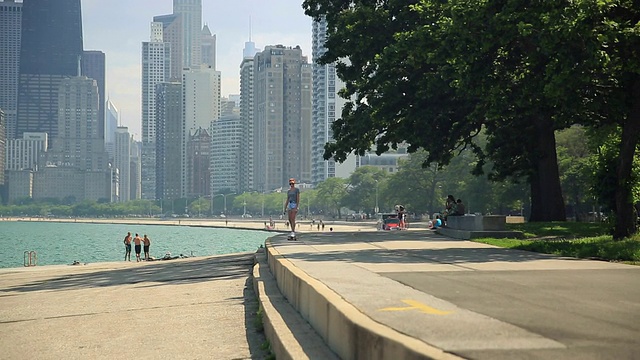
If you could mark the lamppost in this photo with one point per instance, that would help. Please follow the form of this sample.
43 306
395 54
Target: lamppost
376 208
224 196
244 208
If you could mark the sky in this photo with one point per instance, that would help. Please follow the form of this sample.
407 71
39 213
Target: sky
118 28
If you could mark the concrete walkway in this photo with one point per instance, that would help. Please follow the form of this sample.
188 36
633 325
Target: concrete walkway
198 308
418 295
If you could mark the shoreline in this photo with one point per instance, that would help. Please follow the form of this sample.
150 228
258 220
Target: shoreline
304 226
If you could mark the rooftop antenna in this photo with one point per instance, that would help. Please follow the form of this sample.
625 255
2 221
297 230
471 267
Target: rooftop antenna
249 27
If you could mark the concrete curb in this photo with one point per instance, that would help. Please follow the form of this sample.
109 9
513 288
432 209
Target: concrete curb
346 330
290 336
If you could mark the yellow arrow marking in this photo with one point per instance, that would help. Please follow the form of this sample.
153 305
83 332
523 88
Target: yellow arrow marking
415 305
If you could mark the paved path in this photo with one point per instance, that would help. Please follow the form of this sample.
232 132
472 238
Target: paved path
475 300
198 308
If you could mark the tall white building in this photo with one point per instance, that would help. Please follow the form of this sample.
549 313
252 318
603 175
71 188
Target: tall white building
23 154
201 105
226 141
246 118
190 12
156 68
110 125
327 106
282 117
10 36
122 161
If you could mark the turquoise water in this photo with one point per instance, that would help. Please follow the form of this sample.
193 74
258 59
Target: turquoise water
63 243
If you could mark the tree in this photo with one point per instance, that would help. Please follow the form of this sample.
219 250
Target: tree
361 191
428 80
437 73
330 195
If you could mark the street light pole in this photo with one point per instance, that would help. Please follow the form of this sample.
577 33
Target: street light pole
244 208
377 208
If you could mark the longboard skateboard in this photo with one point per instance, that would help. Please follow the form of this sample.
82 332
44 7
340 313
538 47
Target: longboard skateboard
292 238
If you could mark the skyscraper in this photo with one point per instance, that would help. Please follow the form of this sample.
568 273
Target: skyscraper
156 68
199 161
78 143
201 99
3 148
190 12
51 49
94 67
282 118
245 165
169 140
226 142
122 161
327 105
77 165
10 35
172 34
208 47
110 125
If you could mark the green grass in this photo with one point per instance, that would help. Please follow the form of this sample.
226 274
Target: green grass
580 240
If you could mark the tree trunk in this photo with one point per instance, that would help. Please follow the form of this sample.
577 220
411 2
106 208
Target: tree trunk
547 203
625 225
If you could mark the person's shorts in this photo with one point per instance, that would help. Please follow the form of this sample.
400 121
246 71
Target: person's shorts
146 248
138 248
127 247
291 206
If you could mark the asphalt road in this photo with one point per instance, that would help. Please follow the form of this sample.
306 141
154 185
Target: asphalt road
594 313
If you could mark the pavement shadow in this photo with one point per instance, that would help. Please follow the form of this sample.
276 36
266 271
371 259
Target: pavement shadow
381 254
156 273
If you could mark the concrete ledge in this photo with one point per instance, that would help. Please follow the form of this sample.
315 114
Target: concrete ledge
477 222
290 336
468 235
347 331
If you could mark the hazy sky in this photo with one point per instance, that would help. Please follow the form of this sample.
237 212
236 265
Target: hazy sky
118 28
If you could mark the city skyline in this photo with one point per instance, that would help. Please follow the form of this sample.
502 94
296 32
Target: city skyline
283 23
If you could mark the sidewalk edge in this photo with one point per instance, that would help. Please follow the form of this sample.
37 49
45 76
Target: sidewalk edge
348 332
289 335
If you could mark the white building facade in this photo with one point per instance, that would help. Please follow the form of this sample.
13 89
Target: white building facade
156 68
201 106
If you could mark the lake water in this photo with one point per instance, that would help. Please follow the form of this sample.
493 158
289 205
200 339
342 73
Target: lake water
63 243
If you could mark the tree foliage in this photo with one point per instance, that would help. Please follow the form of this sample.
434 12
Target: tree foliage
435 74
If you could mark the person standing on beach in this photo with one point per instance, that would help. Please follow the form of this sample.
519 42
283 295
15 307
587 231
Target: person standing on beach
137 241
291 205
127 247
146 242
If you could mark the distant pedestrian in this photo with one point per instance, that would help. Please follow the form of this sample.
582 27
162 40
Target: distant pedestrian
322 223
291 205
127 247
147 243
137 241
318 226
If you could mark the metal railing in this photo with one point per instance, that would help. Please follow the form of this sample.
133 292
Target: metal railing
30 258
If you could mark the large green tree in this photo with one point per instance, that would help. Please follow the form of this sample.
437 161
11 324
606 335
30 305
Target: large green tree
435 73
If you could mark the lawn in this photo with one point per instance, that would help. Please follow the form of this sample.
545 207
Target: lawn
581 240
